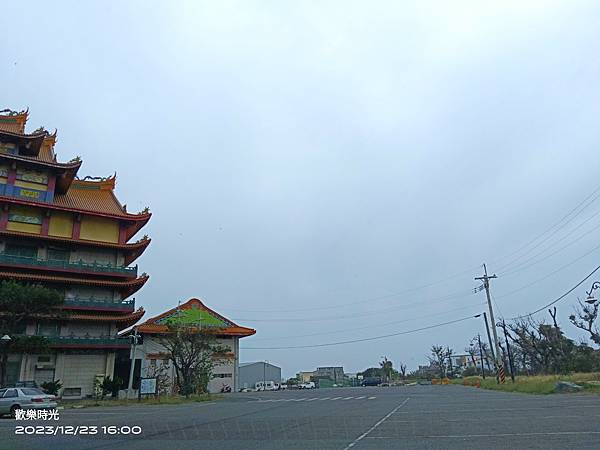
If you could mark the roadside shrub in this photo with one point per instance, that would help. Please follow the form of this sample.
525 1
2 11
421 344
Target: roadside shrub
51 387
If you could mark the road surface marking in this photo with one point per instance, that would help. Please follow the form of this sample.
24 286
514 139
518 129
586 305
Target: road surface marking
348 398
336 398
325 398
360 398
365 434
371 398
541 433
312 399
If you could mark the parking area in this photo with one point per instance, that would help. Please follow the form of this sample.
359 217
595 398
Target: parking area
410 417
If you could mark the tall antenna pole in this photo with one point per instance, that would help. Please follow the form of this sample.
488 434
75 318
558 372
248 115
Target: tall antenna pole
486 284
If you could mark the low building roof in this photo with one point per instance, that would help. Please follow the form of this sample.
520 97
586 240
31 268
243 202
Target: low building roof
194 312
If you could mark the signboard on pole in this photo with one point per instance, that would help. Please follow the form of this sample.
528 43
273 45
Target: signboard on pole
148 386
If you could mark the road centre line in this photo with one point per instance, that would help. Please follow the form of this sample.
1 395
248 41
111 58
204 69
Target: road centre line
348 398
365 434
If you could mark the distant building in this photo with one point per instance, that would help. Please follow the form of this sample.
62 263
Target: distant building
304 377
335 374
253 372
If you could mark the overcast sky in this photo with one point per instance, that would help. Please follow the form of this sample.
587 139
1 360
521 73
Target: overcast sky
312 165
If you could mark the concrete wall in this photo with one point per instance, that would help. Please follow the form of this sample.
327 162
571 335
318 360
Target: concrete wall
76 370
250 374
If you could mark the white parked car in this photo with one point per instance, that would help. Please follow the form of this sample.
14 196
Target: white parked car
12 399
309 385
266 386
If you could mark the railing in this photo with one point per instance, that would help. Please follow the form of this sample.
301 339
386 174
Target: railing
87 340
128 304
55 263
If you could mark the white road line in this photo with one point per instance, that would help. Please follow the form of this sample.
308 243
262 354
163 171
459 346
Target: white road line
348 398
365 434
371 398
312 399
549 433
336 398
360 398
325 398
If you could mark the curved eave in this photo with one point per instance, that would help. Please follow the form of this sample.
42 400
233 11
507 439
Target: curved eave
122 321
136 226
30 143
126 288
59 168
231 331
132 250
142 218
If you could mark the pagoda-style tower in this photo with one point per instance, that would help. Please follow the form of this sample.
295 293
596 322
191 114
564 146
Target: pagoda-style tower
72 235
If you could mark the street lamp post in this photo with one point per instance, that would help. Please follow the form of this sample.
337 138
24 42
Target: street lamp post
590 298
4 341
135 337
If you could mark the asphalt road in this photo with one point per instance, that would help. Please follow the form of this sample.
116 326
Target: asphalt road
415 417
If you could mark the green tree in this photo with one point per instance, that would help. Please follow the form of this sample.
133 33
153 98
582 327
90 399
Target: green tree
20 304
194 352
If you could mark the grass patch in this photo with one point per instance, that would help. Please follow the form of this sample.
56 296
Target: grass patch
166 400
538 384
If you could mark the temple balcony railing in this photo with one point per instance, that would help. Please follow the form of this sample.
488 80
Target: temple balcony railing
111 341
101 303
67 265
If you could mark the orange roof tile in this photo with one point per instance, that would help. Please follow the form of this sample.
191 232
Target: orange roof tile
151 326
13 121
91 196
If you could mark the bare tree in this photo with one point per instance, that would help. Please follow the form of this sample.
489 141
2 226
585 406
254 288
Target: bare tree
439 357
585 317
402 369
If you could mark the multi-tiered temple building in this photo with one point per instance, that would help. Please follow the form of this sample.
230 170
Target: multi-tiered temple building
72 235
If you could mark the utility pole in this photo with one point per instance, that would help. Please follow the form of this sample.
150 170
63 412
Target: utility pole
487 329
508 352
481 356
486 284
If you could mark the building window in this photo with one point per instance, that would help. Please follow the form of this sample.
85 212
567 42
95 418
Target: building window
23 216
43 359
222 375
48 329
58 255
152 363
72 392
21 250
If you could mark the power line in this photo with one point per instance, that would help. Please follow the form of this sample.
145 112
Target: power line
582 204
559 298
353 316
383 336
550 274
368 300
552 227
369 327
523 265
